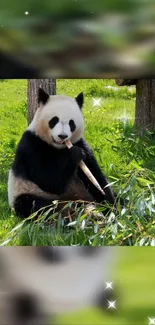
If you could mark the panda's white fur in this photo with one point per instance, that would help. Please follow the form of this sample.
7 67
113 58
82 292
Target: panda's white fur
71 284
65 108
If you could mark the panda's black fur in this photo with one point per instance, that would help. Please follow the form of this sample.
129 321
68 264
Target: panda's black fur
53 169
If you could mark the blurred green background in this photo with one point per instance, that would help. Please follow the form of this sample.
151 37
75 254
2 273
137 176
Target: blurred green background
83 38
134 274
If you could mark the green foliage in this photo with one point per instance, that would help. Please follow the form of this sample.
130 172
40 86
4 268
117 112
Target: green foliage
79 37
126 159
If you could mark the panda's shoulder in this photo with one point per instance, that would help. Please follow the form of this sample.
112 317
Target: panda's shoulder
26 142
29 141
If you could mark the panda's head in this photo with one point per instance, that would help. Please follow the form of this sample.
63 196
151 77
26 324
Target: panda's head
58 118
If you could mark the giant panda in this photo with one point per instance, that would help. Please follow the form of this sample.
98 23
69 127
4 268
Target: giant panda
37 284
44 169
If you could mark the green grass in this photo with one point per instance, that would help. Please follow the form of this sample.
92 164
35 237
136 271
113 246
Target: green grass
12 124
126 159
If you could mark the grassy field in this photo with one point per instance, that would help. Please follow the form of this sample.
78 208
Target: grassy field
127 160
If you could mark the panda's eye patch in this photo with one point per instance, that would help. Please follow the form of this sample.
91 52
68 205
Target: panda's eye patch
53 122
88 251
72 125
50 255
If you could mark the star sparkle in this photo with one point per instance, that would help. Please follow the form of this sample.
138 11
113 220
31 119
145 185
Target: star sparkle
26 13
96 102
112 304
151 321
109 285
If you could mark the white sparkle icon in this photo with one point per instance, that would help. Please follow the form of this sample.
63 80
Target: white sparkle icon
26 13
151 321
112 304
96 102
109 285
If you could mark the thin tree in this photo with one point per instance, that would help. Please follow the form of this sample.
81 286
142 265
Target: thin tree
145 102
49 85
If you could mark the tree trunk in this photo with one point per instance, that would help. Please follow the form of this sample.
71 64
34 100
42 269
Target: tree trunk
49 85
145 104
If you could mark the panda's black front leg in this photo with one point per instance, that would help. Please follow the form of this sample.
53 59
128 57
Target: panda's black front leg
77 154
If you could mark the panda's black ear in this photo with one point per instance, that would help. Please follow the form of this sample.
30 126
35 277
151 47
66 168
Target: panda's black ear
42 96
80 99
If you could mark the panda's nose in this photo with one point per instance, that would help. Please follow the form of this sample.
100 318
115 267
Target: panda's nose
62 136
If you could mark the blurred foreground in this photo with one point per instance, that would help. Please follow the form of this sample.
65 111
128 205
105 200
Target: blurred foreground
73 282
77 38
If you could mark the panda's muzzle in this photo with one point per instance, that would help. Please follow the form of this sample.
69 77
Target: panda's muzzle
59 142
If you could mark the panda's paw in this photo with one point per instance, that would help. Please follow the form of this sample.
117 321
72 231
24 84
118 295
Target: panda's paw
77 154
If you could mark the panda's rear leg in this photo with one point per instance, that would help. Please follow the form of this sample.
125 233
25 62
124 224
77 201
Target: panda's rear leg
23 309
26 204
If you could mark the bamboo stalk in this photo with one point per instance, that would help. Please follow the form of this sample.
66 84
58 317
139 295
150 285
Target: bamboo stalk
86 170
